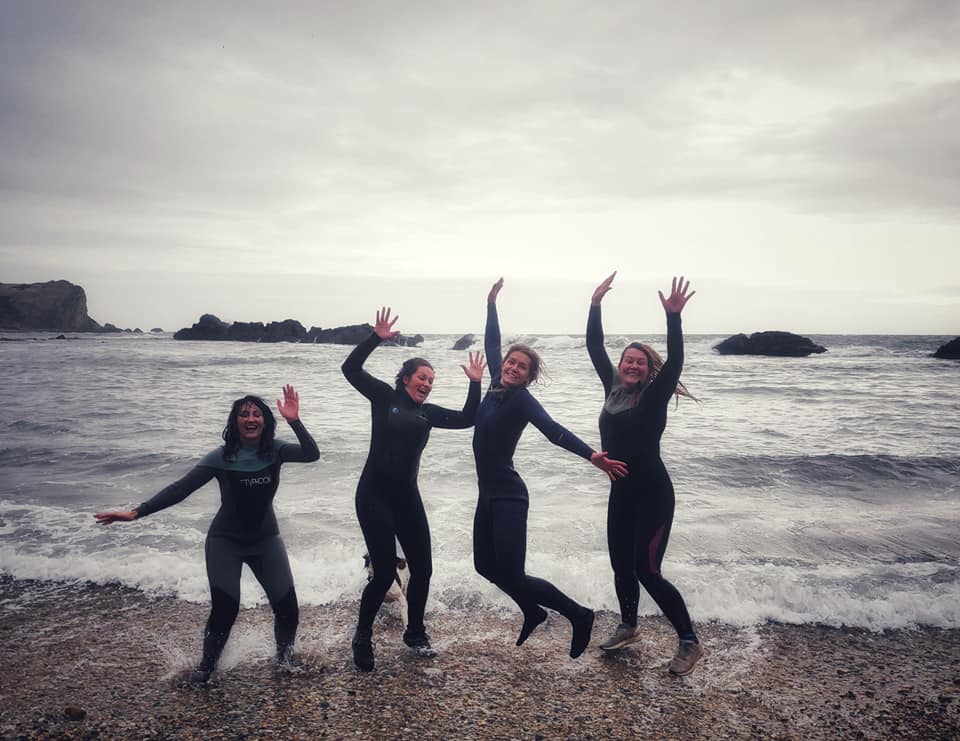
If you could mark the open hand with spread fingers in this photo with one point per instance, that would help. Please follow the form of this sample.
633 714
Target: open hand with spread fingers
475 370
384 326
674 303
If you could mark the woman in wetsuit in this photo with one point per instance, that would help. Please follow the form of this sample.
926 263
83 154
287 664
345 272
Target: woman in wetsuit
500 522
388 501
244 530
640 511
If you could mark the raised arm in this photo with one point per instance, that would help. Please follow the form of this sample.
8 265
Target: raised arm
352 367
665 383
451 419
595 349
491 334
307 451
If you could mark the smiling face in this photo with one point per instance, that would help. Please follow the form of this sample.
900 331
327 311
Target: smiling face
419 384
634 368
250 424
516 369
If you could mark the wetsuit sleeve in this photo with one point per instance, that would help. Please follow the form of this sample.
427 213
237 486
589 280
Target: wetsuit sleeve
373 388
553 430
177 491
306 452
491 344
665 384
451 419
598 354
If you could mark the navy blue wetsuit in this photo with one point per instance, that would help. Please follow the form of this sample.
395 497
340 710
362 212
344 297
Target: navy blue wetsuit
500 522
388 501
641 506
244 531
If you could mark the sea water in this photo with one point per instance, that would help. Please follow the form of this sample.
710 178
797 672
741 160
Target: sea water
823 489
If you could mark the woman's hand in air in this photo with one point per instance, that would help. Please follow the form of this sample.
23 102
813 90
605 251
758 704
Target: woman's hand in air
289 408
384 326
678 297
494 290
602 289
475 370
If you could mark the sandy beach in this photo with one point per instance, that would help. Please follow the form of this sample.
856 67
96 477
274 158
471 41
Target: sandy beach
83 662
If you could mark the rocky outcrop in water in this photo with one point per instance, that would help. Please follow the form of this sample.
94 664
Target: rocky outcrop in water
464 342
779 344
949 351
210 327
54 306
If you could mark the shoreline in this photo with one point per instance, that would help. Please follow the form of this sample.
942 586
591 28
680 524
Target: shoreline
117 657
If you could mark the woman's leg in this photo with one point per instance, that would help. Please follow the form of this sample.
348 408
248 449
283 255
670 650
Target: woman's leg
379 534
654 535
530 592
623 536
224 564
413 532
271 567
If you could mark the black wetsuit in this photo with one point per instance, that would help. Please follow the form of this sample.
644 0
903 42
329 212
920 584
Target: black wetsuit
640 511
500 522
244 531
388 501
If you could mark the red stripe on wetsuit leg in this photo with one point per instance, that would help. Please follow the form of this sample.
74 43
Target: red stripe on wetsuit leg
653 548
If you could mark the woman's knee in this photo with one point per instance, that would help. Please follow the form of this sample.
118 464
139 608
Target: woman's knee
223 611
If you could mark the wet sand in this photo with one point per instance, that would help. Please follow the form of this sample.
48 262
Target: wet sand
83 662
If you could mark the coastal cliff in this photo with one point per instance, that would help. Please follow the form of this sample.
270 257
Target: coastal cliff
54 306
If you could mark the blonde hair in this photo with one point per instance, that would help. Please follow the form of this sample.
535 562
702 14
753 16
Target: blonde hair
655 363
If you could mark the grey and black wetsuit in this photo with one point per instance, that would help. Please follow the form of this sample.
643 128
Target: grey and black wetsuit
244 531
500 521
640 510
388 501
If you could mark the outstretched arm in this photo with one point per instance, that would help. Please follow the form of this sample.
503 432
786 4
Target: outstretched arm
352 367
307 451
561 436
595 349
166 497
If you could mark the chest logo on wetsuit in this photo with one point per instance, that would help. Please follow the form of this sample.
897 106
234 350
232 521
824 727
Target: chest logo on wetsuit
259 481
394 410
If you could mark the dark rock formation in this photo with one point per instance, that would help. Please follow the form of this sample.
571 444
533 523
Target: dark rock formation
405 341
949 351
210 327
780 344
464 342
156 330
55 306
352 334
289 330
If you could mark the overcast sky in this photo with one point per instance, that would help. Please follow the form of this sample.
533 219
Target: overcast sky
798 161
